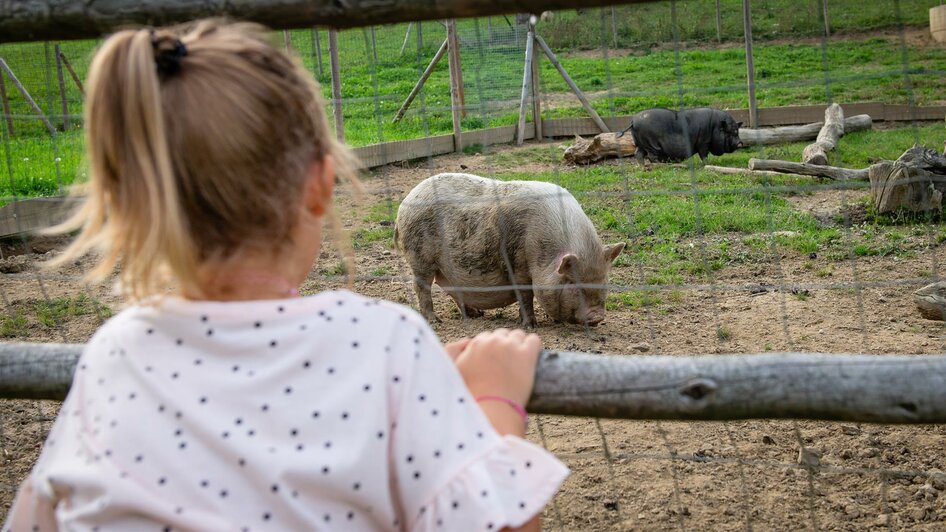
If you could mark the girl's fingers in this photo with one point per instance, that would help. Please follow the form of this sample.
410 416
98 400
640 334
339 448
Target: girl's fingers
455 348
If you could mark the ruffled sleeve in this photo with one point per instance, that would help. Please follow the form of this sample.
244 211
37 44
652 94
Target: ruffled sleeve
450 469
505 487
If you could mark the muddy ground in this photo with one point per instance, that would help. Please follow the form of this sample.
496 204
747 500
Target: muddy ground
633 475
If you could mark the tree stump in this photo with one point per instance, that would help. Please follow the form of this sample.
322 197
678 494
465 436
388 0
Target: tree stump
585 151
915 182
817 152
931 301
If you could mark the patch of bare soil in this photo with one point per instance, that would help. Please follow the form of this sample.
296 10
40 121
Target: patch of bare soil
644 475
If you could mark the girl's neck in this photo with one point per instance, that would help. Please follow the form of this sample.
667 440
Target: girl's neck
245 284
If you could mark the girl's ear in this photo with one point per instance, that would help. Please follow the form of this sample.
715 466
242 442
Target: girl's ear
320 183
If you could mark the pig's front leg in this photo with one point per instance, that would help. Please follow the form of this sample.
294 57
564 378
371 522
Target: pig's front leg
526 310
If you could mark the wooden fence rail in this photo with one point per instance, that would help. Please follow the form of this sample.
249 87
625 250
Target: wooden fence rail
37 20
854 388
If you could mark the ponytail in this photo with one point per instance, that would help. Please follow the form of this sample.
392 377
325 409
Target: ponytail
132 213
197 148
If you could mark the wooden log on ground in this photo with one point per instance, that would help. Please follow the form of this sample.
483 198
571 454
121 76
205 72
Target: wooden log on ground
831 132
854 388
931 301
915 182
785 134
788 167
740 171
605 145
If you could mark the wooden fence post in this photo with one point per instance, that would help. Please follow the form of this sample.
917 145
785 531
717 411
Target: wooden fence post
456 83
287 39
571 84
317 49
420 82
719 24
72 72
336 85
750 65
407 36
62 90
614 28
526 78
536 91
827 21
6 105
26 96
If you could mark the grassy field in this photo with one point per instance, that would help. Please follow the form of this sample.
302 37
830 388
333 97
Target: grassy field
376 78
664 209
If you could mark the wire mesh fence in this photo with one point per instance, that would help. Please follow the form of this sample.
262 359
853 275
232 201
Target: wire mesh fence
715 263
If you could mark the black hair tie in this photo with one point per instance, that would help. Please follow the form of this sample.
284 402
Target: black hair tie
168 60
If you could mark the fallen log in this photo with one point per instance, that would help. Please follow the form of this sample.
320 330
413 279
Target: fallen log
781 135
585 151
740 171
831 132
787 167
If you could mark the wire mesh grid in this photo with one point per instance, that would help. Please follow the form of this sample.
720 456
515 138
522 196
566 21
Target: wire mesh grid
715 263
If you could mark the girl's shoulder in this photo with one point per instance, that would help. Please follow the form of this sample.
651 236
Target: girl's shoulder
170 315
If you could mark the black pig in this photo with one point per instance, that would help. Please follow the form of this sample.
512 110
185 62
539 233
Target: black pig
664 135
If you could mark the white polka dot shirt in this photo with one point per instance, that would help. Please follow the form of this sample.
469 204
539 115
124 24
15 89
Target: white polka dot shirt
329 412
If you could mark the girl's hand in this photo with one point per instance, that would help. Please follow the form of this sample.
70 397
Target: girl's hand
500 363
455 348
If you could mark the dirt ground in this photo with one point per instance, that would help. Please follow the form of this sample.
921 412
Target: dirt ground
634 475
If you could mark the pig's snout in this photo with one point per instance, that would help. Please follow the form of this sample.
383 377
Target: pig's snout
739 144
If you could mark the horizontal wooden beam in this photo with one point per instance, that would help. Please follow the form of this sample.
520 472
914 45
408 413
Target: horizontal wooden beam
38 20
857 388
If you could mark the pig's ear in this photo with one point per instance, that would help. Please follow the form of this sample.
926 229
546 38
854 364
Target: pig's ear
568 265
612 252
738 125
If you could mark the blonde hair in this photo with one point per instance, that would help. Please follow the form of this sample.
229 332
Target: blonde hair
190 164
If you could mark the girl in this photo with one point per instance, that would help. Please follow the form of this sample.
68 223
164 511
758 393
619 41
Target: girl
234 404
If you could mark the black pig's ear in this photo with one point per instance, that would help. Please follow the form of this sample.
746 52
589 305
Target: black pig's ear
567 266
738 125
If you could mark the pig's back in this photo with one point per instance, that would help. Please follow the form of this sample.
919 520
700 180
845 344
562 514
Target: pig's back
466 192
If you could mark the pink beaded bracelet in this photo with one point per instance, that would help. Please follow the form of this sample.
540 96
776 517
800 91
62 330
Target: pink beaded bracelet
516 406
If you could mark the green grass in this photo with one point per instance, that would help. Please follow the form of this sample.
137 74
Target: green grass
375 84
685 226
651 24
362 238
55 311
48 314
